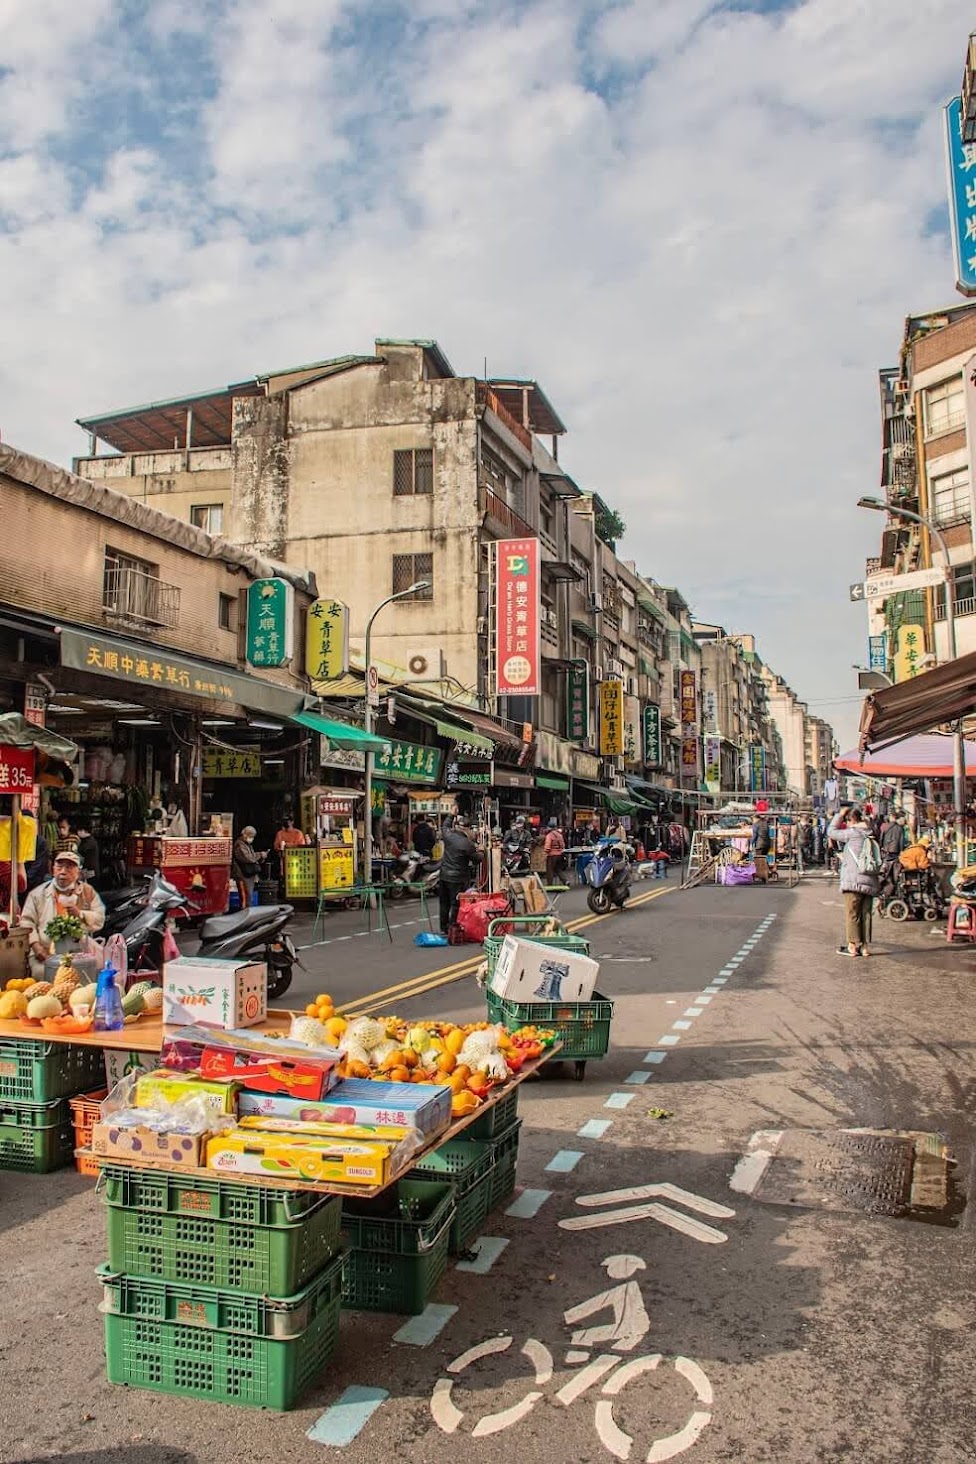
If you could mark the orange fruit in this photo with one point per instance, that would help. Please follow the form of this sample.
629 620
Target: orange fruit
399 1075
410 1058
336 1027
454 1041
463 1071
360 1070
462 1104
446 1063
311 1010
456 1083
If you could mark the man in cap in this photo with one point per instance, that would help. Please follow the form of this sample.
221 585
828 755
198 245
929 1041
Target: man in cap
65 894
459 864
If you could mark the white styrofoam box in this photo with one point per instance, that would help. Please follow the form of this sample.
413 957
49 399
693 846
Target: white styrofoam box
528 972
214 993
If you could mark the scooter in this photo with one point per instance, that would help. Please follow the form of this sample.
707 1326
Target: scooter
412 870
608 875
122 905
515 857
257 931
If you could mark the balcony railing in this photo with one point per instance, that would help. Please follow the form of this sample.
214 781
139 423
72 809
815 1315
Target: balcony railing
961 607
131 594
507 517
487 398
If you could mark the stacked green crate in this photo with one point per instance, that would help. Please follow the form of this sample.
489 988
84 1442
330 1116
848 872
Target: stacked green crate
397 1245
216 1289
481 1166
36 1081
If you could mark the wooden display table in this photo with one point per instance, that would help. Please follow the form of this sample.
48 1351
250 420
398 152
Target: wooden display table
144 1035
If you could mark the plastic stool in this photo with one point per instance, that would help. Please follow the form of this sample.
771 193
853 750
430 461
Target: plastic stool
965 930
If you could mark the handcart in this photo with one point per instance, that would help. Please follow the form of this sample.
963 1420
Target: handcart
583 1027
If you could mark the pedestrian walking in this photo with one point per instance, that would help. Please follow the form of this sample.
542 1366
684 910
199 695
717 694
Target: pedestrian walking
553 848
762 842
459 863
245 864
860 864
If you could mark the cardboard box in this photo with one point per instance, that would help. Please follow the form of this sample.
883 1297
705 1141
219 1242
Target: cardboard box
422 1106
13 955
303 1129
164 1086
119 1064
281 1156
528 972
309 1076
214 993
177 1150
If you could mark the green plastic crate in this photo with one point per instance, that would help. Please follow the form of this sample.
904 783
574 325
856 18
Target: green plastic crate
502 1177
220 1310
39 1072
36 1136
398 1246
497 1119
583 1027
225 1366
468 1164
217 1233
563 942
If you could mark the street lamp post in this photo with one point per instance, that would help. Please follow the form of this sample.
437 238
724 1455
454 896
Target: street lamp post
958 743
413 589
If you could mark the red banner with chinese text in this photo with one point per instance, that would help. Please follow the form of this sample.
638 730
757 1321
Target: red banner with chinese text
17 770
517 652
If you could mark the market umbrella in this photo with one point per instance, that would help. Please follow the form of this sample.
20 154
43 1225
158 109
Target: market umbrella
913 757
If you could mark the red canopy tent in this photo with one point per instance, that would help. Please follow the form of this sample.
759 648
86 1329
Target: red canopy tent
913 757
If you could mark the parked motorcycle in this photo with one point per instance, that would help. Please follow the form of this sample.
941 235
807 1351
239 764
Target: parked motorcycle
258 932
515 855
412 869
608 875
122 905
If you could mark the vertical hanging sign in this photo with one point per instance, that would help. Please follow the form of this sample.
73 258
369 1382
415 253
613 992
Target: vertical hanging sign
611 718
327 640
270 622
757 768
961 173
689 726
578 702
652 736
517 618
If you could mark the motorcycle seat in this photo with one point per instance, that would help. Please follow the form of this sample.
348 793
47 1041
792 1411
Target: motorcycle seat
255 915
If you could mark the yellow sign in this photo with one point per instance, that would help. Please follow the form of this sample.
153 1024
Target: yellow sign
911 649
611 718
217 762
337 870
327 640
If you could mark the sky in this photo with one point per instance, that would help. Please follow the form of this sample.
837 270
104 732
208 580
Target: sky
698 225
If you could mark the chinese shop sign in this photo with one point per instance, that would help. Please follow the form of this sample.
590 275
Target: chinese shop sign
270 619
611 718
327 640
218 762
578 701
16 770
652 736
409 762
517 617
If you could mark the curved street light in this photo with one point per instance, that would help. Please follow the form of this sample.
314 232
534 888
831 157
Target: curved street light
413 589
958 743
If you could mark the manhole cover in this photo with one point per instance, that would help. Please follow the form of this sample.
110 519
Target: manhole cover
857 1171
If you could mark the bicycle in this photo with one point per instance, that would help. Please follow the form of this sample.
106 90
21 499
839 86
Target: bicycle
627 1330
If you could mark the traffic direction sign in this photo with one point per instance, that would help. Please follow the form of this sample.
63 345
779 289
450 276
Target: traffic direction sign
880 586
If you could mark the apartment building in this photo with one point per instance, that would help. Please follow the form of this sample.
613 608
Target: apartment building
926 469
743 749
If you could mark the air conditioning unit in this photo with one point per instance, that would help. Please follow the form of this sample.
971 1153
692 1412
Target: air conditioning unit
549 617
598 673
616 667
596 604
423 662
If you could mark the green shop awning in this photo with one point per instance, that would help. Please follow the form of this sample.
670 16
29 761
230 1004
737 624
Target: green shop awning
587 631
454 733
616 802
553 781
341 734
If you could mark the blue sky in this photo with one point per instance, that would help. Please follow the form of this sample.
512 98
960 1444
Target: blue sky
700 226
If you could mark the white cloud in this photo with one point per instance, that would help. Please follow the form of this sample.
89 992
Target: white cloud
705 265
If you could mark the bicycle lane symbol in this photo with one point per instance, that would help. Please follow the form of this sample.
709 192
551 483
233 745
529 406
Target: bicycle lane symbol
627 1328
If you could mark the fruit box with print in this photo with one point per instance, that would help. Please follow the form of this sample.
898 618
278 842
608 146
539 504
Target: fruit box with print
303 1077
526 972
214 993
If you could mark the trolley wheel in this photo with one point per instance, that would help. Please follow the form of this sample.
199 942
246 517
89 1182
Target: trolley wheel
931 914
897 910
579 1070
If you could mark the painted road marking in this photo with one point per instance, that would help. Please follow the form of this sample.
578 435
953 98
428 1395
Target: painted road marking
528 1204
693 1011
719 980
655 1057
755 1161
637 1078
594 1128
421 1330
619 1100
711 990
566 1160
668 1040
488 1248
347 1417
726 971
674 1219
681 1026
705 997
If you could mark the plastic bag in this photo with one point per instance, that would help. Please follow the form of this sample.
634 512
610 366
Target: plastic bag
429 938
171 951
117 954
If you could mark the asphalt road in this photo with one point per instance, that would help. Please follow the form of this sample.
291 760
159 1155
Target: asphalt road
801 1335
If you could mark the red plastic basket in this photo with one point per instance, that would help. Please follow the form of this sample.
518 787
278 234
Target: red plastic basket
85 1112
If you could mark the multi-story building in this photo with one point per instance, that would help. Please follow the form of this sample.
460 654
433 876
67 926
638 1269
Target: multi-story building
790 717
926 470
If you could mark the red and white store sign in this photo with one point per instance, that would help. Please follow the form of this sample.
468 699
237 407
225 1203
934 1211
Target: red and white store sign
35 710
16 770
517 654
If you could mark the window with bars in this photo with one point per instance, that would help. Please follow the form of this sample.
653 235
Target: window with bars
950 497
408 569
945 406
413 471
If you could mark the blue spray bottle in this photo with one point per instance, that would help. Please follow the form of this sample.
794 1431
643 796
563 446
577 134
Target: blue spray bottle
109 1016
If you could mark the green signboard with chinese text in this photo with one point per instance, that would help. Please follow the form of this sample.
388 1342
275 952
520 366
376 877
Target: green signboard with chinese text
270 622
408 762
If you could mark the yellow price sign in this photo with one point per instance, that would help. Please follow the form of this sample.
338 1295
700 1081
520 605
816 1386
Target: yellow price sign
337 869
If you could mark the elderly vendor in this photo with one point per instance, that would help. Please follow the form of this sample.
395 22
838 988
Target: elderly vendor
64 894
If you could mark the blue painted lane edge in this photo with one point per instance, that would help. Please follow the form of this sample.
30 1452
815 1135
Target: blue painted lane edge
347 1417
488 1248
637 1078
528 1204
668 1040
619 1100
655 1056
593 1128
421 1330
566 1160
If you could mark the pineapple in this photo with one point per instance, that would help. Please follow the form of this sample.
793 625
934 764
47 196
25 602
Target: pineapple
39 988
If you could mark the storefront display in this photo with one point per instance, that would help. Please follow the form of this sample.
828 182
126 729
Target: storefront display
198 868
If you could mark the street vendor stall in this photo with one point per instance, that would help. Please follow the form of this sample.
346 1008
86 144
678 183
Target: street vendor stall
25 751
198 868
